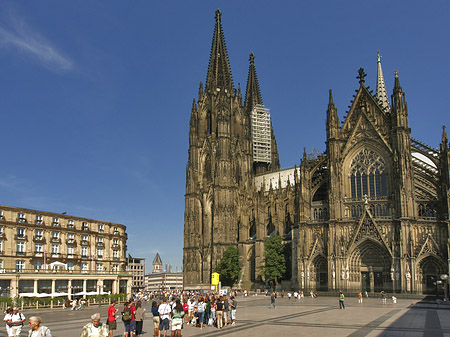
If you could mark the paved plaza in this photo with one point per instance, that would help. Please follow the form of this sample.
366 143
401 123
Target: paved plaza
310 317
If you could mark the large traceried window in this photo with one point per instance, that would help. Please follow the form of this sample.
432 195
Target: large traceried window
368 175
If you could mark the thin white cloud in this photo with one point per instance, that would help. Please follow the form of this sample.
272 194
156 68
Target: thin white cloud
20 37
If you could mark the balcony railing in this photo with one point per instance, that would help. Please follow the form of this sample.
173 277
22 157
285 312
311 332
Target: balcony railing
21 220
115 246
20 237
38 238
20 253
100 244
84 242
55 240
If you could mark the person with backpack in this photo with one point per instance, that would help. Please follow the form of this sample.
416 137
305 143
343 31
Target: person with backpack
16 322
128 318
201 307
36 329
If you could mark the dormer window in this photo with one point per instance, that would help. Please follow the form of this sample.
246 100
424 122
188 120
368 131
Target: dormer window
1 215
85 226
101 228
39 220
116 231
55 222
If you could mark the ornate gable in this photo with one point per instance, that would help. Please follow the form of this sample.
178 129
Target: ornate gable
429 247
368 228
365 121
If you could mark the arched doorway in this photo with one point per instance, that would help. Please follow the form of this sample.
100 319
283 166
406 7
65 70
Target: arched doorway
369 267
431 268
319 273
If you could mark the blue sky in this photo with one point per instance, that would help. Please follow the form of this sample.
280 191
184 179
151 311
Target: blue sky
95 96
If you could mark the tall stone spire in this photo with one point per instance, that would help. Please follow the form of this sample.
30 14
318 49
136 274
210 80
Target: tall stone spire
219 72
252 94
382 97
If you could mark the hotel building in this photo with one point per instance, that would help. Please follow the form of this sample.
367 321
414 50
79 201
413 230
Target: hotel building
43 252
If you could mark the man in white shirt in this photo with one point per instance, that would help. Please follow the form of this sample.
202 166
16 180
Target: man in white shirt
191 305
17 319
164 311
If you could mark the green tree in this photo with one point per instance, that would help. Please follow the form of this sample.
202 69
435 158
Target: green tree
274 262
229 266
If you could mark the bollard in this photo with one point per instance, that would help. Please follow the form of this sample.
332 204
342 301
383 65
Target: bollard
51 304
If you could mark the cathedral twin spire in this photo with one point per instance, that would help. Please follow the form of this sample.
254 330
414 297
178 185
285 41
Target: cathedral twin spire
219 71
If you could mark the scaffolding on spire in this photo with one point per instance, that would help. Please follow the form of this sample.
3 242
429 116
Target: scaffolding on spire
261 134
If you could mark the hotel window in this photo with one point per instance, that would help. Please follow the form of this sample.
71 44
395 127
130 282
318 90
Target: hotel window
116 231
101 228
20 233
70 238
20 264
37 265
38 247
20 247
1 264
85 226
84 251
1 230
99 253
99 267
55 222
115 267
38 234
55 236
1 215
39 220
69 250
55 249
21 217
1 246
116 241
70 224
116 254
84 266
100 240
70 266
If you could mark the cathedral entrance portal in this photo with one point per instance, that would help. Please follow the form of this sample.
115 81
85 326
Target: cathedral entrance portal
320 273
369 265
431 271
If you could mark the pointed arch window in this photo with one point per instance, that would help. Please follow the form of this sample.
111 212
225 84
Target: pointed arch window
368 175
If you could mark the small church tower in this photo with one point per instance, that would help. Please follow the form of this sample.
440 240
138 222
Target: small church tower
157 264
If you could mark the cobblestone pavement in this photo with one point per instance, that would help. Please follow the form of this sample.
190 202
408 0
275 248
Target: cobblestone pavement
310 317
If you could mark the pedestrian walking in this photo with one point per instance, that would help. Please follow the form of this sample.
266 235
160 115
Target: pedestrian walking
360 297
233 306
219 312
95 328
156 322
201 308
7 320
16 322
341 300
273 297
164 311
112 312
383 297
140 316
177 319
36 329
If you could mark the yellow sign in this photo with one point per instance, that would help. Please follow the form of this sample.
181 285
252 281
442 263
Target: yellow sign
215 279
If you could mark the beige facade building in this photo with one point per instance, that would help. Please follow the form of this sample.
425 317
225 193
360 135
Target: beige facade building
43 252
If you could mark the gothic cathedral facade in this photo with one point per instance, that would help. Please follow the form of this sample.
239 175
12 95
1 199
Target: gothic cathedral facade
368 214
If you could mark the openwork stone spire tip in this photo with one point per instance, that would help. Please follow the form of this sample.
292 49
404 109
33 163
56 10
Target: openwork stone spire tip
218 15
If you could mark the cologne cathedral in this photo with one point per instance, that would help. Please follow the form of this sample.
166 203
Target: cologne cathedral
368 214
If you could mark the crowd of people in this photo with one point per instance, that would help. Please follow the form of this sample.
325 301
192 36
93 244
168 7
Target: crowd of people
170 311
